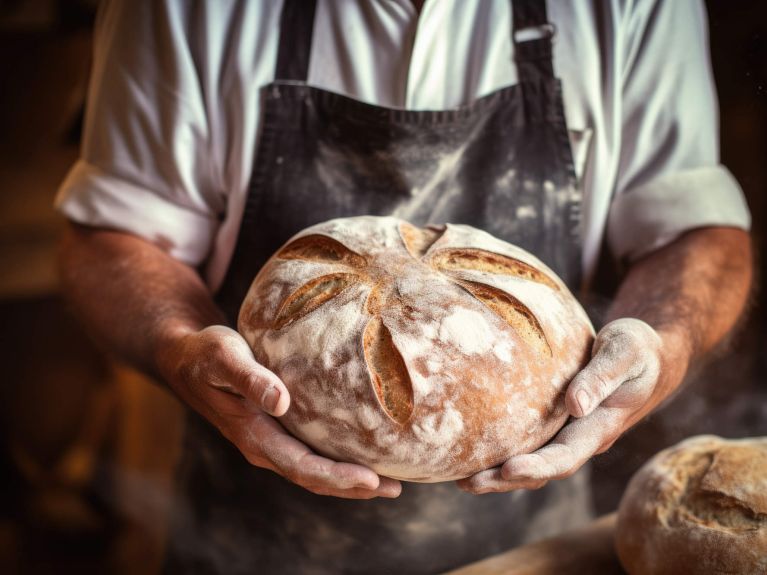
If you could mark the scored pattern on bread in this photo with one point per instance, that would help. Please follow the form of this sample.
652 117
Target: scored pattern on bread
376 299
387 369
311 296
419 240
419 366
484 261
513 311
318 248
389 373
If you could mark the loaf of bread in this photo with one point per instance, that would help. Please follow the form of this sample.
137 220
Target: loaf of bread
698 508
427 354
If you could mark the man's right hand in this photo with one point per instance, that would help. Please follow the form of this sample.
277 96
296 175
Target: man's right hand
215 373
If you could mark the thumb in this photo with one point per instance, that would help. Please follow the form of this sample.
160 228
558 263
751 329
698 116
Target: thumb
246 377
263 388
621 352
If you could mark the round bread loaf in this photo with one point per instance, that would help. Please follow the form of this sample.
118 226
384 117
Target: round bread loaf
427 354
698 508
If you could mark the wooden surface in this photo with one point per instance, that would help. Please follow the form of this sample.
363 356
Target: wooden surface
585 550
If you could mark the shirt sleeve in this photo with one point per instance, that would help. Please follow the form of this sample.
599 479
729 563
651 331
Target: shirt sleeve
669 178
146 164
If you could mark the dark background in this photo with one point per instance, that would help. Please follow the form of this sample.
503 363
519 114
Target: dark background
88 446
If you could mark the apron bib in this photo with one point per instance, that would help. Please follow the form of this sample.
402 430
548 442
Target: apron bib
502 164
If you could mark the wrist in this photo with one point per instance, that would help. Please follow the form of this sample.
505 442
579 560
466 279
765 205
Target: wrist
167 341
678 343
677 352
675 349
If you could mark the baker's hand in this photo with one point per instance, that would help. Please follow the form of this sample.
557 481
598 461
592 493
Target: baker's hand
613 392
214 372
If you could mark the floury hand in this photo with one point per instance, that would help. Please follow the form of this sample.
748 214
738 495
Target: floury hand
607 397
214 372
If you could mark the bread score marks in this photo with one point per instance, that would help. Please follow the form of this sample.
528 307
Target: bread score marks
389 374
447 260
321 248
312 295
513 312
396 364
418 240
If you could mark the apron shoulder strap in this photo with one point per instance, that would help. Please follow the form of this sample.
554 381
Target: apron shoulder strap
532 34
296 30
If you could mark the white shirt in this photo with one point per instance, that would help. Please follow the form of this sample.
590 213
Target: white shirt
173 108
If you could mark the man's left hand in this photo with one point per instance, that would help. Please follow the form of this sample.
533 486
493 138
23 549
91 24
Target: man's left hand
618 387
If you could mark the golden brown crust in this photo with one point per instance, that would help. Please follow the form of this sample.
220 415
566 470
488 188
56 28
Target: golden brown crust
697 508
319 248
426 354
481 260
311 296
388 372
419 240
514 312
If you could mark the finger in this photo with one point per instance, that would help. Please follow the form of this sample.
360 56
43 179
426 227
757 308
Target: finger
389 488
491 481
575 444
295 461
624 350
263 388
242 375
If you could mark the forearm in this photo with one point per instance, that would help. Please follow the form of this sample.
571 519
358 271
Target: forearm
130 294
691 292
156 312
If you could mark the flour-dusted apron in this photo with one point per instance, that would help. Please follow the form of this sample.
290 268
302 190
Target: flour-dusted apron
502 164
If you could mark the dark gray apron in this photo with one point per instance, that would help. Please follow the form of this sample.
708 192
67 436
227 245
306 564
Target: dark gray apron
502 164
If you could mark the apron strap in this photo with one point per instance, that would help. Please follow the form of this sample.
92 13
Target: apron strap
296 29
532 34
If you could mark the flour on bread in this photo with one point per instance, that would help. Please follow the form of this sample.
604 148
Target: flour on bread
479 392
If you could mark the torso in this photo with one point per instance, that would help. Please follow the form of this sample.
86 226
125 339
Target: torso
504 165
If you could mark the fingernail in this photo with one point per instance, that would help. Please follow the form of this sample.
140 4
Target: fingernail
270 399
583 399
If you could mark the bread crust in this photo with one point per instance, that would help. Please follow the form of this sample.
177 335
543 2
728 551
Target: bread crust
413 360
699 507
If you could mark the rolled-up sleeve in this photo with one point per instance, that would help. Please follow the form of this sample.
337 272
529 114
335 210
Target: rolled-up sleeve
93 197
669 178
147 165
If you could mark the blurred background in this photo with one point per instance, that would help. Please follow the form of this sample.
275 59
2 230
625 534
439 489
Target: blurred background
88 446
